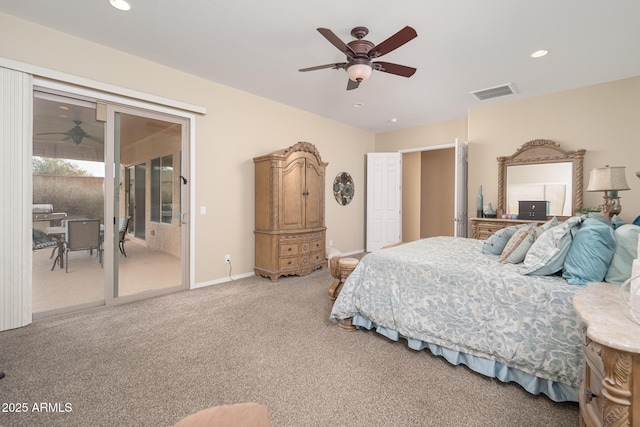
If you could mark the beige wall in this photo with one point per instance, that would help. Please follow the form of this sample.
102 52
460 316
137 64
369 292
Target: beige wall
442 133
237 127
604 119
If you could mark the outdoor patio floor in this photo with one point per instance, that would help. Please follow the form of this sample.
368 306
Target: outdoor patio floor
141 270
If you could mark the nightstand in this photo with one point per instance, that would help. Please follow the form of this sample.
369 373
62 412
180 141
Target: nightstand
610 390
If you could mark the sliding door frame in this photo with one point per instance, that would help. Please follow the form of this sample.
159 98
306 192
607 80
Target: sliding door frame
112 157
52 80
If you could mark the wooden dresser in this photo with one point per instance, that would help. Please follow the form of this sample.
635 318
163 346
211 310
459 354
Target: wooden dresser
610 391
482 228
289 212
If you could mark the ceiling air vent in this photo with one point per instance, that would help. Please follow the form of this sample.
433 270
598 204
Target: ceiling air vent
495 92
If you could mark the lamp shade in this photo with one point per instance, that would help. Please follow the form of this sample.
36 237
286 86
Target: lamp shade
610 178
359 72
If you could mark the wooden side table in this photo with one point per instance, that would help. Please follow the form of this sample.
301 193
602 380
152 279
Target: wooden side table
610 390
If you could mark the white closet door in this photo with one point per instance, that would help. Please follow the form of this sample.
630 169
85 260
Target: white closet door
16 129
384 199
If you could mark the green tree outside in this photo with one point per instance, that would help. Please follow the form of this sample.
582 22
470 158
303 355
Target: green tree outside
51 166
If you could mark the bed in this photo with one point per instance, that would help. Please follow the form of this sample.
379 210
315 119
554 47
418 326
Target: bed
445 294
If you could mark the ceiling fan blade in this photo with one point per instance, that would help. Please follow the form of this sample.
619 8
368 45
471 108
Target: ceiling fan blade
392 43
93 138
352 85
53 133
399 70
335 40
336 66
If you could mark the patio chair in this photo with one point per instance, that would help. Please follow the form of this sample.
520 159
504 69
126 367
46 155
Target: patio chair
123 225
42 240
82 234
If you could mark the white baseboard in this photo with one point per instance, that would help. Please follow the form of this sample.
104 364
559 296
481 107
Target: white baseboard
222 280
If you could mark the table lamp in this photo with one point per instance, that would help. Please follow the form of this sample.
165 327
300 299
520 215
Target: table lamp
609 179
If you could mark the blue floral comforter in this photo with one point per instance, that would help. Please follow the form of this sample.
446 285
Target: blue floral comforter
445 291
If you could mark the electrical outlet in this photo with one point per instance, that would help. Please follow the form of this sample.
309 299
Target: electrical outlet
227 259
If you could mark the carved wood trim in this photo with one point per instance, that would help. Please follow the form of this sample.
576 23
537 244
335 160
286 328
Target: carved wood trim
305 147
275 205
616 387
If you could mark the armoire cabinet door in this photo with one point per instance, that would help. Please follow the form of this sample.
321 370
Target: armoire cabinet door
292 206
314 199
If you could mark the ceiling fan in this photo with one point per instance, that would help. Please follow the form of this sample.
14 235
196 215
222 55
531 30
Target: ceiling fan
76 134
361 53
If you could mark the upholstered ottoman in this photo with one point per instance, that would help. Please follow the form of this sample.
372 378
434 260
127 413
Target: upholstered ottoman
238 415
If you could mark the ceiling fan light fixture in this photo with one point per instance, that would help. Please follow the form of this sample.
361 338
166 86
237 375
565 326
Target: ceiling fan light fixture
120 4
359 72
539 53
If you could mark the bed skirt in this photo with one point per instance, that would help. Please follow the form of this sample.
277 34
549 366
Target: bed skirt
557 392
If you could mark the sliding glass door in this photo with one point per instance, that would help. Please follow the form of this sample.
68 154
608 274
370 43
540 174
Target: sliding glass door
149 256
68 200
121 169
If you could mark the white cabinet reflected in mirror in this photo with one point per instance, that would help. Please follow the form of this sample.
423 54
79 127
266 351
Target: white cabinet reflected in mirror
552 182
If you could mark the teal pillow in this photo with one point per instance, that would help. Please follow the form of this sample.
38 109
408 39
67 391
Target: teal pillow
547 254
497 241
590 253
626 251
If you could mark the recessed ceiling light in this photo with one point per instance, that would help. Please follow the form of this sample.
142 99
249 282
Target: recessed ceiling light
120 4
393 120
63 107
358 105
539 53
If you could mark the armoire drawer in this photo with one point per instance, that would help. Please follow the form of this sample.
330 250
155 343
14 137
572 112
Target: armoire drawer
289 263
287 249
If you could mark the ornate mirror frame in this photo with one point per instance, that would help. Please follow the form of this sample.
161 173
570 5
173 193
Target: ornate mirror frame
540 151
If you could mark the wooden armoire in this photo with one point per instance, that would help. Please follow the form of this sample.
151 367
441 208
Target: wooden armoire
290 230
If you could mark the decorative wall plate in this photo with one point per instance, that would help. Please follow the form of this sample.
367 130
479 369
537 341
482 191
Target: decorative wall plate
343 188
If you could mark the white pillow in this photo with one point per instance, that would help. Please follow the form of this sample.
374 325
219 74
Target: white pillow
626 251
549 251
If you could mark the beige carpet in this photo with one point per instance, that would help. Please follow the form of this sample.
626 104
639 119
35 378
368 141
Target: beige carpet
153 362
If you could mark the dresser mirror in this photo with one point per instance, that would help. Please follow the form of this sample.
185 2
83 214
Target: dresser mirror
541 170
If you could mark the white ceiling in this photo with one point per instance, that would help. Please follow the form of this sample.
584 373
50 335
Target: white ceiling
462 46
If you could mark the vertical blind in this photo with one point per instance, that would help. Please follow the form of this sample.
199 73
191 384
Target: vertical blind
16 129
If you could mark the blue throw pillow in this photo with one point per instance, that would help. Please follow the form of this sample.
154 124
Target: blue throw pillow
590 253
497 241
